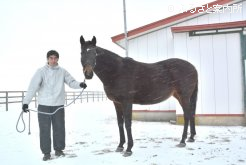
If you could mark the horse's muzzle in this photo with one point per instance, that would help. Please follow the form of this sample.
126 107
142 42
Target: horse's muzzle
88 72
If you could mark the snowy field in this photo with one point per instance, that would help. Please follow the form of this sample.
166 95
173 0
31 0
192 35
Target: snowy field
92 136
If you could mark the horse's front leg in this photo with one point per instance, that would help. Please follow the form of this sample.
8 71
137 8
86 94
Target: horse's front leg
127 111
120 119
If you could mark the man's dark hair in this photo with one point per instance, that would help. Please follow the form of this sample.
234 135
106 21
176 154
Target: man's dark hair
52 52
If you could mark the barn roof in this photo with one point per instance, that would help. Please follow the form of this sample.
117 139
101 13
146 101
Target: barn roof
172 20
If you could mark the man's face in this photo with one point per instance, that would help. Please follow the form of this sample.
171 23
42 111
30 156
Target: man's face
52 60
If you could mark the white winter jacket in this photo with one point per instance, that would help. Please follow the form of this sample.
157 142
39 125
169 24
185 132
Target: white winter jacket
49 82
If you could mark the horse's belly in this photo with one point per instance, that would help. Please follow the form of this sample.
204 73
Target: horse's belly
150 99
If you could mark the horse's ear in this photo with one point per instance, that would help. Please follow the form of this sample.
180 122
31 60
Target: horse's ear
82 40
94 40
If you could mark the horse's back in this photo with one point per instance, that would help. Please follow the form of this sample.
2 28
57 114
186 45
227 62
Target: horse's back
150 83
180 69
160 73
155 82
183 76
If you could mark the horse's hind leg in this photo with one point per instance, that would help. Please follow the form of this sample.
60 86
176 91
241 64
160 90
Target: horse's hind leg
189 117
192 128
184 102
120 119
185 130
193 101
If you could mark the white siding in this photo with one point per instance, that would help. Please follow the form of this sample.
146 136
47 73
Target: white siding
226 16
162 51
133 48
180 46
151 48
170 43
235 75
193 52
202 20
244 10
152 54
220 74
213 18
142 49
216 57
218 61
207 75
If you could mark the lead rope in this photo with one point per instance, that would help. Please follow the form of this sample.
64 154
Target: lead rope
29 132
45 113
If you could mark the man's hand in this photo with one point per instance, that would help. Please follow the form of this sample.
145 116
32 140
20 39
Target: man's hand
25 108
83 85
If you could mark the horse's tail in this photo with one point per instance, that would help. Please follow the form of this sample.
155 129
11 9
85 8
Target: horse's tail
193 99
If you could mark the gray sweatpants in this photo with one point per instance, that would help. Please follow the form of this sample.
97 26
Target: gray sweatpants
58 127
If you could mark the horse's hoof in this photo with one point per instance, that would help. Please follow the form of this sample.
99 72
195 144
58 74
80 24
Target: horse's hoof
119 149
191 140
181 145
127 153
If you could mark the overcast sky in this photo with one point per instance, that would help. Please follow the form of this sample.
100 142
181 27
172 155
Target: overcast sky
29 28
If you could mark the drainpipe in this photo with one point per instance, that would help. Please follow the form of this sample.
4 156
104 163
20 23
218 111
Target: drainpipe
125 28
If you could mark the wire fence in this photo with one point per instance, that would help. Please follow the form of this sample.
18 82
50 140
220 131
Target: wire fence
11 97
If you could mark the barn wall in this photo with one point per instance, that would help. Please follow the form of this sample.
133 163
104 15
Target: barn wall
216 57
158 45
151 48
211 18
218 61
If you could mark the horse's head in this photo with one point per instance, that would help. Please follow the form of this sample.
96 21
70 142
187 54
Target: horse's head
88 56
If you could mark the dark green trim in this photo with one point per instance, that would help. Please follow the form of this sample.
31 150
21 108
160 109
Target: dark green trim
214 31
243 53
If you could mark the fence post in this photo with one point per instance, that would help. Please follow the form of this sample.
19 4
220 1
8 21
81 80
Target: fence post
22 97
87 97
93 96
7 104
74 97
81 98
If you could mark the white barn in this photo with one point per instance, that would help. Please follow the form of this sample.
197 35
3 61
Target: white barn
213 38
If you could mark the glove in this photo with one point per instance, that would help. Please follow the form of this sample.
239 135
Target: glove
25 108
83 85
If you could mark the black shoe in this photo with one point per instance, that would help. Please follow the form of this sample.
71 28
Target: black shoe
46 157
59 153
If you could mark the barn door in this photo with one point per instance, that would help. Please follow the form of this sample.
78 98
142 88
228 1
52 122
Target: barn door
218 59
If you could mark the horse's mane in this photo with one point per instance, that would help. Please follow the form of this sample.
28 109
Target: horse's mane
114 55
108 52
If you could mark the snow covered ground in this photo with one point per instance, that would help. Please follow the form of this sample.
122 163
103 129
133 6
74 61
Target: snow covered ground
92 136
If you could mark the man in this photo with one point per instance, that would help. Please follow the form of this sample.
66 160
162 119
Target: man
49 81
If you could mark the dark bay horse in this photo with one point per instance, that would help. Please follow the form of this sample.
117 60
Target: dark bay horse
128 82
